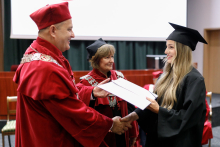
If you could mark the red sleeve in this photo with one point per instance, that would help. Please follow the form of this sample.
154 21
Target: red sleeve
44 80
85 91
82 122
134 131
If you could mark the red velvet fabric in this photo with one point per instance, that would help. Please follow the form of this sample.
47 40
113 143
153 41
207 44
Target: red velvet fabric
207 130
48 110
51 14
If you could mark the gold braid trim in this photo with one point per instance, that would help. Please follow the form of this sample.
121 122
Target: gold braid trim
38 56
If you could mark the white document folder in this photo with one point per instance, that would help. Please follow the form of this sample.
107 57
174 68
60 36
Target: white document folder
129 91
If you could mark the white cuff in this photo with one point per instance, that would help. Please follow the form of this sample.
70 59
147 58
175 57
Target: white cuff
91 98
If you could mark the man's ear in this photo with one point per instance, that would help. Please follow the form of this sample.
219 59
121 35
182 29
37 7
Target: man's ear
52 30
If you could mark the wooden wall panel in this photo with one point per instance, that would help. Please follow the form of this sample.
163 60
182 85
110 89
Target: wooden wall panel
139 77
211 60
9 88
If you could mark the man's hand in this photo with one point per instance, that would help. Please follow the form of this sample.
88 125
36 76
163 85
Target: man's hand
118 126
130 118
98 92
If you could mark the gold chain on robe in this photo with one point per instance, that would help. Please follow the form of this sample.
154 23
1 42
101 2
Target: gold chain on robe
38 56
93 82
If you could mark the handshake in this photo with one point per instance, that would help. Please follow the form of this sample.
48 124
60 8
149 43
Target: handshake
120 125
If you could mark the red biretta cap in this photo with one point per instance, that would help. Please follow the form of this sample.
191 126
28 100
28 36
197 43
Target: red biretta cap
51 14
156 74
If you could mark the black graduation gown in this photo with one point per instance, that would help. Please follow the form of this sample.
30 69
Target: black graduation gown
181 126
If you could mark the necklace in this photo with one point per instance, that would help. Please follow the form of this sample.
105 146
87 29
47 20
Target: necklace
112 100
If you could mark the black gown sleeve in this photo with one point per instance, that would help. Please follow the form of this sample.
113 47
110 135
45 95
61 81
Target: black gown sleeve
147 120
131 107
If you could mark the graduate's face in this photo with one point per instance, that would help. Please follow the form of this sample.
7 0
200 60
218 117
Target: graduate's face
106 63
170 51
63 35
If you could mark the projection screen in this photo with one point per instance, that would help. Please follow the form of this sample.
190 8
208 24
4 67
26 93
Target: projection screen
127 20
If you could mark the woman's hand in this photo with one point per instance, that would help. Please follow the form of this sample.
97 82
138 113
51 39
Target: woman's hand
98 92
154 106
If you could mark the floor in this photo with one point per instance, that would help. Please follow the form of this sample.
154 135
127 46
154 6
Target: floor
215 142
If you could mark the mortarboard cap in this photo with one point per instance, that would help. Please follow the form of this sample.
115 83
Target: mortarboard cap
51 14
186 36
156 74
92 49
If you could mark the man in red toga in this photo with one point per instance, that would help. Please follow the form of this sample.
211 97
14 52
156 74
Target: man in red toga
49 113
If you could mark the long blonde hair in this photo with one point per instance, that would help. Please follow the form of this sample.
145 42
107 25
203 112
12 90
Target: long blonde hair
173 74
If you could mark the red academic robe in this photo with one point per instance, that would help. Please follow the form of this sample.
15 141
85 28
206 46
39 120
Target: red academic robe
207 130
49 114
102 105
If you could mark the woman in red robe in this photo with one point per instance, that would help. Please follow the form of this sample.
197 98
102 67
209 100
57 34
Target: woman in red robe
101 57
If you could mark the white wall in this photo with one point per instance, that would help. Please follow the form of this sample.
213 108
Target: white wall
202 14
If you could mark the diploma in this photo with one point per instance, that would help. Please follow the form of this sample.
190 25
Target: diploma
129 92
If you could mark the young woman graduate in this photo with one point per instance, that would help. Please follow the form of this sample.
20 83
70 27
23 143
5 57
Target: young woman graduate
176 118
